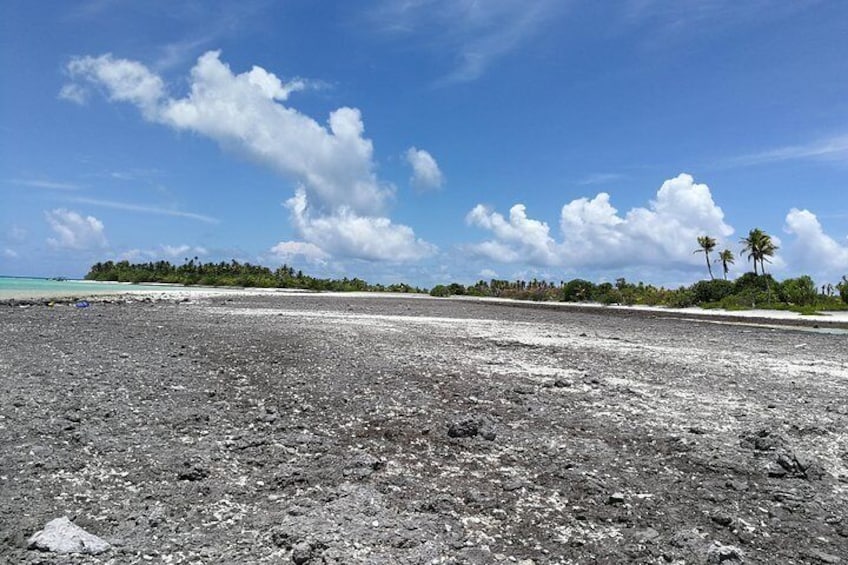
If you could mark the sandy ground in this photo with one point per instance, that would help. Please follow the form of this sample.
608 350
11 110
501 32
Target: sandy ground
369 429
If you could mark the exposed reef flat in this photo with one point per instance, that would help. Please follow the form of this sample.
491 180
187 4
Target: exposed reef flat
373 429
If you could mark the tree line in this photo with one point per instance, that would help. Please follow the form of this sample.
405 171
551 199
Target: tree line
232 274
753 289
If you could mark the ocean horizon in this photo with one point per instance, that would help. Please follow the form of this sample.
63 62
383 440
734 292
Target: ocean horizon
19 287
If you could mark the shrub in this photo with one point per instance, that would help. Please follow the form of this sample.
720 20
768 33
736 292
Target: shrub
440 290
750 281
711 291
843 289
577 290
456 288
681 298
801 291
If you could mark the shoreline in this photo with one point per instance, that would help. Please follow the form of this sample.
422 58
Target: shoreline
837 320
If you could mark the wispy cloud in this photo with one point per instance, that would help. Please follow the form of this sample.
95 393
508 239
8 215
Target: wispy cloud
834 148
600 178
46 184
475 34
145 209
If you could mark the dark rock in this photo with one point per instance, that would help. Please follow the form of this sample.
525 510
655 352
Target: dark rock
722 519
464 428
192 472
762 440
616 498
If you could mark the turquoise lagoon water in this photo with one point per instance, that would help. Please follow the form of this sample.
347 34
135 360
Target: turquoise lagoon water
22 287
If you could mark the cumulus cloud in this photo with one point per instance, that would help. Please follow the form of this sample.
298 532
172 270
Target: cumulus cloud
247 113
812 248
518 237
344 233
288 250
73 231
425 171
9 253
594 234
124 80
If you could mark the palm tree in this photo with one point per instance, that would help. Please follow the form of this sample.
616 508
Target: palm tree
754 244
767 249
707 244
726 257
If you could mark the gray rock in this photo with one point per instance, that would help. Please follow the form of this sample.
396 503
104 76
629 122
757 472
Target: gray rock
63 536
301 553
822 557
719 553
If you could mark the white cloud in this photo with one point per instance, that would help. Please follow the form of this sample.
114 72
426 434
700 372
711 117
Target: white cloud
347 234
594 234
812 248
476 33
519 237
125 81
425 170
145 209
48 184
74 231
834 148
9 253
246 112
600 178
287 250
74 93
488 274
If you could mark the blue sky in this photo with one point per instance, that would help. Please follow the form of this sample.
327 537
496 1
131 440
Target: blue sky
424 140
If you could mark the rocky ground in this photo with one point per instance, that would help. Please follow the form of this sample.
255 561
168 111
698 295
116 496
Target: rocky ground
312 429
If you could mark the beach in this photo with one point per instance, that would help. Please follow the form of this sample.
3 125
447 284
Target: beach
267 427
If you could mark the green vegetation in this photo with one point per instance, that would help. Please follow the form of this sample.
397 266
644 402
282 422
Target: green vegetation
230 274
748 291
755 289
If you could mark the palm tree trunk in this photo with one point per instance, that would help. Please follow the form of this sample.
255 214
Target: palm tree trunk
709 267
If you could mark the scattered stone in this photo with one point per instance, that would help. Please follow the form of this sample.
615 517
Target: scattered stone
722 519
645 535
464 428
488 434
719 553
562 383
192 472
822 557
616 498
63 536
762 440
301 553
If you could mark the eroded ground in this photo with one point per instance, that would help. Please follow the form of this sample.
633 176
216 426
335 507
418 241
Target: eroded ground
315 429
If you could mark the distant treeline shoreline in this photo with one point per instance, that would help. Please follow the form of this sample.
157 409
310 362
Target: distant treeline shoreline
751 290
